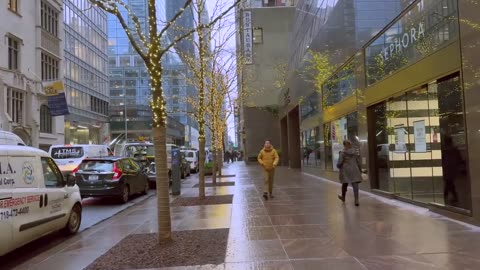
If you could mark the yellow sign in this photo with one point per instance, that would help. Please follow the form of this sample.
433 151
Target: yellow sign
54 88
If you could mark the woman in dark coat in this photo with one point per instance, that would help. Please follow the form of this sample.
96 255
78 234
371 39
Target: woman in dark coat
350 170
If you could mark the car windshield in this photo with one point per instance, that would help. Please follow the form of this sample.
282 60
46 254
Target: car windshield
67 152
189 154
135 150
96 165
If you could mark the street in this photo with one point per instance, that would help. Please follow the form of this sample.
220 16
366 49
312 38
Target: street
95 210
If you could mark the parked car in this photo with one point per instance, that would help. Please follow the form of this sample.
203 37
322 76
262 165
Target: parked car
184 166
69 157
151 173
35 199
118 177
192 157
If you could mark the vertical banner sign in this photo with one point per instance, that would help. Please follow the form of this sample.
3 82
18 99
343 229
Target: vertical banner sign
247 37
57 102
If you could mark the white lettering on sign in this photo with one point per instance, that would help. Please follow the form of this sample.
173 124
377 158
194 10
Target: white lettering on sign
403 41
247 37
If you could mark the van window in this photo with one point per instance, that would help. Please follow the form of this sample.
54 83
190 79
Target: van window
53 176
67 152
189 155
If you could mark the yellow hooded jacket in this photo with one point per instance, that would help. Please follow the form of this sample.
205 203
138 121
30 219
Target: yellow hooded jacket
268 158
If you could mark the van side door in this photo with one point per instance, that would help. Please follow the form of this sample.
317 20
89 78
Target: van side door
56 204
27 199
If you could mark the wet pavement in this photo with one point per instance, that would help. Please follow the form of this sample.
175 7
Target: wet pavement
304 227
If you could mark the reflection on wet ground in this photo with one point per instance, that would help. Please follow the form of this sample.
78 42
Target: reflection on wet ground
304 227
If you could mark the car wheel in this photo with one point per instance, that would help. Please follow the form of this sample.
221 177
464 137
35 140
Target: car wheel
147 187
125 194
74 220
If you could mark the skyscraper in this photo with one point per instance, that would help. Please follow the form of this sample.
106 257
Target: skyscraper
130 91
86 79
129 80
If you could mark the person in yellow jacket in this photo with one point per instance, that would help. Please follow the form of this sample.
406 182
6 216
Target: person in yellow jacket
268 159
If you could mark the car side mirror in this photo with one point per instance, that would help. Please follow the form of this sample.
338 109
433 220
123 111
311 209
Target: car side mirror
70 180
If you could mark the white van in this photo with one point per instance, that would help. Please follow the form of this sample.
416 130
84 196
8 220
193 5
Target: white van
9 138
192 157
69 157
35 200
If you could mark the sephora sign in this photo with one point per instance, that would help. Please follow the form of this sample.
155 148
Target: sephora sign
403 41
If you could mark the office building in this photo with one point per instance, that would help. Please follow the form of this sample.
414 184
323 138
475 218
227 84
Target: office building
86 78
32 56
405 95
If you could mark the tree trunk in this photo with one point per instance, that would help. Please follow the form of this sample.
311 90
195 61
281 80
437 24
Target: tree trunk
220 162
215 166
201 160
163 196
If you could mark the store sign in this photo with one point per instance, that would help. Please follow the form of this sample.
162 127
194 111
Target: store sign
57 101
422 31
247 37
403 42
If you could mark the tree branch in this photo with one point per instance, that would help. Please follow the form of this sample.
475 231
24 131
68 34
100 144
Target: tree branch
175 17
113 9
135 20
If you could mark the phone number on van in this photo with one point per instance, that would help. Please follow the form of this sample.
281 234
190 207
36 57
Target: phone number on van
9 213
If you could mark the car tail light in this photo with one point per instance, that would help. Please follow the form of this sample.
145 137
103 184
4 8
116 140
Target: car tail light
117 172
75 170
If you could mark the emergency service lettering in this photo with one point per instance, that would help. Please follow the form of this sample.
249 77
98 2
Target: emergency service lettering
19 201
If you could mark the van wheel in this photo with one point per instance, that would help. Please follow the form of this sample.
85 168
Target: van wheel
125 194
74 220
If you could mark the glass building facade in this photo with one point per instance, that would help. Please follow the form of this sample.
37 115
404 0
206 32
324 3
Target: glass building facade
130 92
406 100
86 78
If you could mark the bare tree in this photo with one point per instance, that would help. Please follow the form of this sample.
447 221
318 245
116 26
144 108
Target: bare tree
151 45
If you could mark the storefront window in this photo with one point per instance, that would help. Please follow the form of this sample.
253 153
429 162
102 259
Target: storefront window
309 106
426 28
340 86
420 145
311 147
345 128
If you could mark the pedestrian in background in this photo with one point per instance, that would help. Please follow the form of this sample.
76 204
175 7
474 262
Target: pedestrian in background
350 170
268 159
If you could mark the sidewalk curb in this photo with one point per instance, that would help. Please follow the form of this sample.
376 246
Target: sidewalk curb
130 204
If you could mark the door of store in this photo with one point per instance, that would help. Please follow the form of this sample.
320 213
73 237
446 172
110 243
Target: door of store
410 134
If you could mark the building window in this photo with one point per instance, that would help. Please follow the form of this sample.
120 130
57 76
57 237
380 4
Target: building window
45 119
257 35
13 53
13 5
49 67
15 102
49 18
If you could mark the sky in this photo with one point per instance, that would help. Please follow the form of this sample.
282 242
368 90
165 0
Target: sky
211 4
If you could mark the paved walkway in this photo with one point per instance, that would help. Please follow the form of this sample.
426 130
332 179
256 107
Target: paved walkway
304 227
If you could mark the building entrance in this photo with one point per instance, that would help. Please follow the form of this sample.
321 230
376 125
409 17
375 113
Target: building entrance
418 145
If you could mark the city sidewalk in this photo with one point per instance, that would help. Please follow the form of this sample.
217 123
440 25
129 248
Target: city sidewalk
304 227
